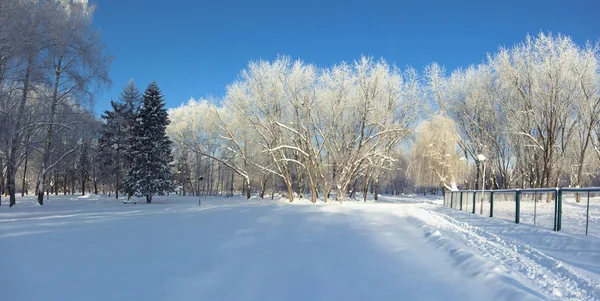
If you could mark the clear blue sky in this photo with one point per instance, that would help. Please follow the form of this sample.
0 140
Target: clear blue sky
196 48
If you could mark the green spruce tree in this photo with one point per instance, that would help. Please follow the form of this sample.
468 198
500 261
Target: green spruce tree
116 136
150 148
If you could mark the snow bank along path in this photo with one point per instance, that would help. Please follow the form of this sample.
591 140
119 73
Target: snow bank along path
233 249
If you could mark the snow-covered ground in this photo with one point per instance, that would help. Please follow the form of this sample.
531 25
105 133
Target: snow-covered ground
400 248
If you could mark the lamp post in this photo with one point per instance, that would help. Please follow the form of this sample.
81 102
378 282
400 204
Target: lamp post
199 196
482 159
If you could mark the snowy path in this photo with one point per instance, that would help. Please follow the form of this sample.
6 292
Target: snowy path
230 249
550 260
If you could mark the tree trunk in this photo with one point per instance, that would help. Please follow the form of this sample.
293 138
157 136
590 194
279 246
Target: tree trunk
263 187
55 182
477 174
149 199
2 187
210 177
272 188
580 167
49 133
118 180
232 181
72 182
313 192
40 195
365 189
340 195
1 181
220 180
353 192
290 188
95 183
64 183
12 172
376 191
579 175
300 185
24 173
16 137
83 183
248 195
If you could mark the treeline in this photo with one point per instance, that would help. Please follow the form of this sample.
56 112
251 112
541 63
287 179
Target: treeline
291 128
532 111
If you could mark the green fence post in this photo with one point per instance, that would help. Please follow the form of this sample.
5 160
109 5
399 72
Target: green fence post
559 221
518 206
556 197
534 206
587 214
461 193
451 197
474 195
491 203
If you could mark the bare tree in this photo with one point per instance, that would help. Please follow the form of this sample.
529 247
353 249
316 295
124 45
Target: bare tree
77 63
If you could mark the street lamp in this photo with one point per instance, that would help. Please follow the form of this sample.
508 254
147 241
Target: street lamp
482 159
199 196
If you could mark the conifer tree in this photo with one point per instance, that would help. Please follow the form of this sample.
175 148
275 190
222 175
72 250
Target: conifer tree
113 144
130 97
131 100
116 136
150 148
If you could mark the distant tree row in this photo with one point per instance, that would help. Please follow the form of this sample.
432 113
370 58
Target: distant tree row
290 126
285 126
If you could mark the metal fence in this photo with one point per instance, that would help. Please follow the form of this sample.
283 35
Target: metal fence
574 210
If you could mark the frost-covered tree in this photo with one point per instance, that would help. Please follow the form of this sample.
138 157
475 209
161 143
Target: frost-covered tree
368 108
76 63
434 155
27 31
150 148
315 130
469 98
531 110
543 81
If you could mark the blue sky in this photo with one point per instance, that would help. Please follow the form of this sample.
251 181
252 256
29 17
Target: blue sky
196 48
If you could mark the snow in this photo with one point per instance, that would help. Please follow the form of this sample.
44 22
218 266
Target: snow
399 248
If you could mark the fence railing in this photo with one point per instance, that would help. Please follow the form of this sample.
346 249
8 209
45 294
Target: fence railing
541 207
